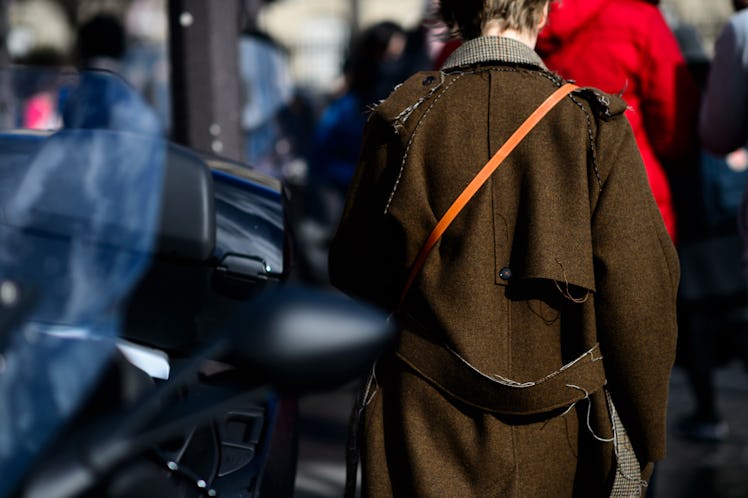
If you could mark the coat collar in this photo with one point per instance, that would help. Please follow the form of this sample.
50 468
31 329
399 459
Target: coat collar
492 49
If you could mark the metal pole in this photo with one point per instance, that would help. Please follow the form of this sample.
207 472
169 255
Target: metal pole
6 91
206 95
355 17
4 57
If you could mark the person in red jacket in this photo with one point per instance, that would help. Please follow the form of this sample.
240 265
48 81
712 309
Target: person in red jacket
626 47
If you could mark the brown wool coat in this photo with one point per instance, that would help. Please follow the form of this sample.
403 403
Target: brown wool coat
563 248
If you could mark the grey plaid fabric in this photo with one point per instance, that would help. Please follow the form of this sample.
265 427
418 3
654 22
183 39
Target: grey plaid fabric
492 49
628 482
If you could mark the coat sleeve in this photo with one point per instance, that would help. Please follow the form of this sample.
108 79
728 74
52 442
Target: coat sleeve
636 273
723 123
365 257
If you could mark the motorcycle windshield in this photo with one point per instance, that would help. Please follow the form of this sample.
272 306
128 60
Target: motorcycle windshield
81 166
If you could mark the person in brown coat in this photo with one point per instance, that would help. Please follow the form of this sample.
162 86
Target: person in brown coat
536 342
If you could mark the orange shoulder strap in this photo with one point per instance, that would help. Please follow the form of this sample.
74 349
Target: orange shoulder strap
483 175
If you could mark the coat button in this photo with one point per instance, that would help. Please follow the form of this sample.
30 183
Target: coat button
428 80
505 273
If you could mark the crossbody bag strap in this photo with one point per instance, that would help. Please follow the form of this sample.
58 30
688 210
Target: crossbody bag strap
483 175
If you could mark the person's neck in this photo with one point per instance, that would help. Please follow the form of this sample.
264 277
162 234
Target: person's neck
493 29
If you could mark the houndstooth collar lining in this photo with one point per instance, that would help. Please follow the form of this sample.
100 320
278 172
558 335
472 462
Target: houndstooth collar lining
492 49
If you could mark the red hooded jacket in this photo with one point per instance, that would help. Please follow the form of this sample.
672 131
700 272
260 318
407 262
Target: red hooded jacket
625 46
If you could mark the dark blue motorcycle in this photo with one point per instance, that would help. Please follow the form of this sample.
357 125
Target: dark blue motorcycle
150 344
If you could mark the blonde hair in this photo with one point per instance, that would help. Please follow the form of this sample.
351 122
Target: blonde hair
467 18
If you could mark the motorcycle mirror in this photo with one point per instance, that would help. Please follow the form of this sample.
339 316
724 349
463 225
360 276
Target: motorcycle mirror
303 339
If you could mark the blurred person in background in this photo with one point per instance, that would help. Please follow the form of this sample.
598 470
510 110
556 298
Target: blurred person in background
707 18
96 103
101 43
380 57
146 59
626 47
372 69
724 112
268 89
714 291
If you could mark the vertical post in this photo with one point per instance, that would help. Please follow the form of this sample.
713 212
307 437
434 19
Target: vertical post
355 17
206 95
4 57
6 93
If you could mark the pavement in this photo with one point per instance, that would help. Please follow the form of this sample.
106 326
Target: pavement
707 470
691 470
324 426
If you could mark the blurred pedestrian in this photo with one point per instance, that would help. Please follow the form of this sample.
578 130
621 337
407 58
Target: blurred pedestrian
146 59
380 57
707 17
98 101
713 293
537 337
723 123
626 47
101 43
268 89
371 71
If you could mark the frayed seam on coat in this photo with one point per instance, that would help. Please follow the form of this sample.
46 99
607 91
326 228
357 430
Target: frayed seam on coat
401 118
399 122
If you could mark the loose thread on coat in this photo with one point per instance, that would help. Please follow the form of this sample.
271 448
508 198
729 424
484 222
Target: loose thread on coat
353 444
589 415
624 89
371 387
567 292
571 407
